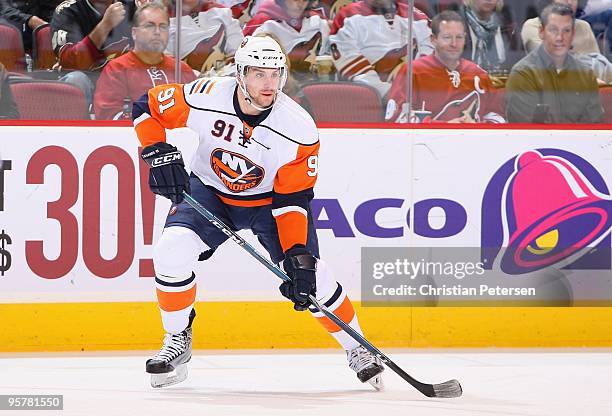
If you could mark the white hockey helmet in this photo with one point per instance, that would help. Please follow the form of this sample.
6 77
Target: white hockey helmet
260 52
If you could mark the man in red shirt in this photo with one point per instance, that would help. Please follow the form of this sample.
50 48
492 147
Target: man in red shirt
129 76
454 89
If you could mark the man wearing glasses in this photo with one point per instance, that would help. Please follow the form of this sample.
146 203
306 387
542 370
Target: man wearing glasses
126 78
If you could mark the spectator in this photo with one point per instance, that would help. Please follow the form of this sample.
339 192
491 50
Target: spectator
598 13
303 34
8 108
27 15
242 10
128 77
454 89
584 40
492 42
209 34
371 49
549 84
87 33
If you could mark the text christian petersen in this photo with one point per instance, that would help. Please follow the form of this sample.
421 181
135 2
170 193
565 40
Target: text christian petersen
401 278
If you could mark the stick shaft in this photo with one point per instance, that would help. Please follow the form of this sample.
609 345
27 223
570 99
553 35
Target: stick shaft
426 389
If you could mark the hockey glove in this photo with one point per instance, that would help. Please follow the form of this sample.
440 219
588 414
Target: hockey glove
300 266
167 174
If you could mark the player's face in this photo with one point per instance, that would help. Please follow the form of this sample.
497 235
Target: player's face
262 85
450 41
557 35
151 34
295 8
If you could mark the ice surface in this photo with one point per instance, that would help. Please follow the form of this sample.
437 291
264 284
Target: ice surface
526 383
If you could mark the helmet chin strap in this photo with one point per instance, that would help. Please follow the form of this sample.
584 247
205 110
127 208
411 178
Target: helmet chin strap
248 99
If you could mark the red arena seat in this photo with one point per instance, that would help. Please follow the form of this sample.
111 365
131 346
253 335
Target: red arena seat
49 100
343 102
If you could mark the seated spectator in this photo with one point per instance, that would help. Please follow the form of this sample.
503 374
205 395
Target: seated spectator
128 77
302 33
87 33
27 16
209 34
598 13
549 84
368 41
492 42
584 40
8 108
453 89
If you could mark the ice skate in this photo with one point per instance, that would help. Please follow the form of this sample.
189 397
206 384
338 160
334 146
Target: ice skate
169 365
368 367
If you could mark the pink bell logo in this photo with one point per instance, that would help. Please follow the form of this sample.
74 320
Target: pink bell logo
550 213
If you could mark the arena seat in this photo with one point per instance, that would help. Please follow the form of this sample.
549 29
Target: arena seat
343 102
12 54
49 100
42 49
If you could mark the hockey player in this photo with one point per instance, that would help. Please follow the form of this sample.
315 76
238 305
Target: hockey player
301 32
454 89
255 168
368 41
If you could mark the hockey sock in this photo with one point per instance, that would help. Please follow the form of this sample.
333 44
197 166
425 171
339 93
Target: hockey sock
341 306
176 297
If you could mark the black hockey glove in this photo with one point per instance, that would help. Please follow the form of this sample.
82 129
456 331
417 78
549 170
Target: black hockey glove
300 266
167 174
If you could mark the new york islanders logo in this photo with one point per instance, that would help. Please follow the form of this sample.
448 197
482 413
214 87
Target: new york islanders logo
235 171
546 207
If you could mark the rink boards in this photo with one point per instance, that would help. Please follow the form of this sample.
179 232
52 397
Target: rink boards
78 224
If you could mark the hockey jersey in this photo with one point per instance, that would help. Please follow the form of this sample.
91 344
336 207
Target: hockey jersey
242 10
72 21
466 91
301 39
209 36
369 44
274 162
126 78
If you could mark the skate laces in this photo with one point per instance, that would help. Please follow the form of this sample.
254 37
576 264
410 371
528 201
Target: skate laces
174 345
359 358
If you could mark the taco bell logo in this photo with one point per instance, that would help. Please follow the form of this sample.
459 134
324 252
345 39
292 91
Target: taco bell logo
546 207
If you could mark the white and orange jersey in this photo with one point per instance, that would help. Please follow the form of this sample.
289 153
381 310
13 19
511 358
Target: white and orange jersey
274 162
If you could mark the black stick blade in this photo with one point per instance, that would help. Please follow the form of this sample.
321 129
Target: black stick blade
448 389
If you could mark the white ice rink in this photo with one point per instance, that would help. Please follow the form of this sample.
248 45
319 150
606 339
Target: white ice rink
529 383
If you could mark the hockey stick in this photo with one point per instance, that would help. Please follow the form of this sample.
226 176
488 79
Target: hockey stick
448 389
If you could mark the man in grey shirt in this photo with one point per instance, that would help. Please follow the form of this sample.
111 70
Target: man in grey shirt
549 85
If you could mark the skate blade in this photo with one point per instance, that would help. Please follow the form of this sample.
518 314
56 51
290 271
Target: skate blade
168 379
377 382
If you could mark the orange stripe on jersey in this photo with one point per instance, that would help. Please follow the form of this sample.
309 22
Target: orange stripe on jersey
345 311
167 108
197 87
299 174
292 229
176 301
210 87
246 203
